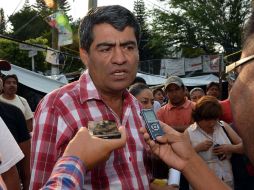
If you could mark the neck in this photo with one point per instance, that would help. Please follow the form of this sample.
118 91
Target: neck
114 101
179 103
208 130
9 96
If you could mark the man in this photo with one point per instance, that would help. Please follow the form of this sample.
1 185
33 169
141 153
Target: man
10 87
177 113
109 39
10 156
16 123
241 96
213 89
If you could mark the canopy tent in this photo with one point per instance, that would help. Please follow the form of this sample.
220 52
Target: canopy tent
35 80
189 81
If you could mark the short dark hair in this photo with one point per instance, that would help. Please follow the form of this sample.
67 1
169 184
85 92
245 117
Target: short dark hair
207 108
137 88
115 15
139 80
212 84
157 90
10 76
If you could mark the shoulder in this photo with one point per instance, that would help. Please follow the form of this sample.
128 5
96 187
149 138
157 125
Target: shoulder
10 108
55 97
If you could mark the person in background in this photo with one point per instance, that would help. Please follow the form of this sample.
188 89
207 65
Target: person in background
143 94
212 138
196 93
10 156
10 87
175 149
109 38
177 112
16 123
158 95
139 80
213 89
225 104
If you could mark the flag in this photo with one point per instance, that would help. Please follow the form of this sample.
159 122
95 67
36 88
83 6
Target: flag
60 21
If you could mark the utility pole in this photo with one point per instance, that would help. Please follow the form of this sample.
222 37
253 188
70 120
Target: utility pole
55 68
221 64
92 4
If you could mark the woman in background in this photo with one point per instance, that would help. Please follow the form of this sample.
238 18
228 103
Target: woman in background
212 139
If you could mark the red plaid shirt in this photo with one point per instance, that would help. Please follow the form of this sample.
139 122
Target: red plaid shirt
63 112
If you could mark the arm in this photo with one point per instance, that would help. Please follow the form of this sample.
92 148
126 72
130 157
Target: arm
69 171
203 146
11 178
24 164
235 147
176 151
29 124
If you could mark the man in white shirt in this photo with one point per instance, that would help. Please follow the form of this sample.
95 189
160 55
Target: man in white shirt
10 156
10 86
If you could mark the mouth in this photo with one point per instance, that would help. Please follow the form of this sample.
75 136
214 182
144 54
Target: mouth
120 74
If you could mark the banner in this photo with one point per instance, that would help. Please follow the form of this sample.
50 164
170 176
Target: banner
193 64
171 67
211 63
60 21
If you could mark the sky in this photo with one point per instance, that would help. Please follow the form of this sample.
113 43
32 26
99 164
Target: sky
78 7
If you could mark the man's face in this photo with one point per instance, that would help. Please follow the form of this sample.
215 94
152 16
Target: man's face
213 91
112 59
242 104
10 86
176 94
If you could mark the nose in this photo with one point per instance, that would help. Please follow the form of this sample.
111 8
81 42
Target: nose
119 56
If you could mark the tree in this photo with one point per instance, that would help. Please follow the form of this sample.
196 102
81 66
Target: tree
28 23
201 25
2 21
147 49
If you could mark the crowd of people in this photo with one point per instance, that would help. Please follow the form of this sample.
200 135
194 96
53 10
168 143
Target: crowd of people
202 133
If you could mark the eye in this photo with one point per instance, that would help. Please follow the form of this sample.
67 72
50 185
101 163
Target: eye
105 49
129 47
144 102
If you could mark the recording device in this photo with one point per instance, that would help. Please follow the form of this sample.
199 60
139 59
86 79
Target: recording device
220 156
104 129
152 123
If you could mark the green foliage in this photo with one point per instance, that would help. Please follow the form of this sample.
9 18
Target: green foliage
10 51
201 24
147 49
27 23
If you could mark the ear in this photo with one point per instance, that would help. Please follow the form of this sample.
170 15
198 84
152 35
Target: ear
83 56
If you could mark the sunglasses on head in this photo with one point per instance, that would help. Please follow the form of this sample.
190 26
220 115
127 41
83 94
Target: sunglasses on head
231 69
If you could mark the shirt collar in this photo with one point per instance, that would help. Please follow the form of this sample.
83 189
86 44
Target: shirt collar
88 90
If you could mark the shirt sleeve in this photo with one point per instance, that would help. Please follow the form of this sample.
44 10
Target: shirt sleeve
28 112
9 149
68 173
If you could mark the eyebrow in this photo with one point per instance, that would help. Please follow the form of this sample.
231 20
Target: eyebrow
110 44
